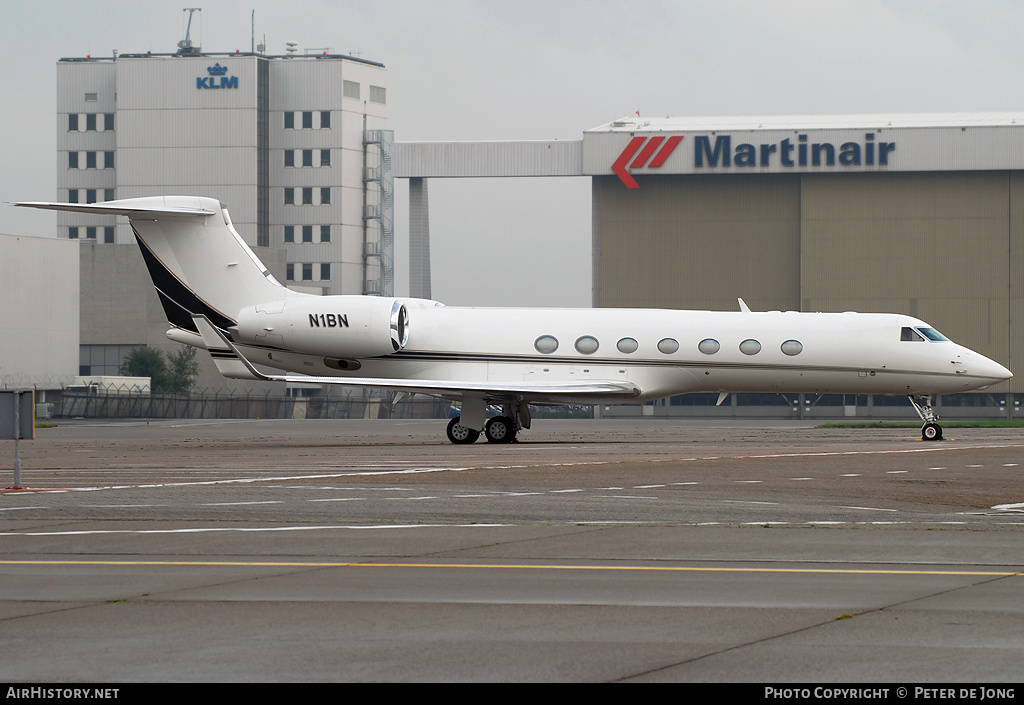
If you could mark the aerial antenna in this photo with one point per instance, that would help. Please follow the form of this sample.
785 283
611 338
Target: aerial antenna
185 45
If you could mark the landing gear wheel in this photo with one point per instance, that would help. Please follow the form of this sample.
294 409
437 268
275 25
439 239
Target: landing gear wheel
500 429
931 432
457 433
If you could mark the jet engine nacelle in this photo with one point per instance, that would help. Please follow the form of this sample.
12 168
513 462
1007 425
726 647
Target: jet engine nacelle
344 327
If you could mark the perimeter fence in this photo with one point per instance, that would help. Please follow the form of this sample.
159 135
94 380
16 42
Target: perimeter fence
128 402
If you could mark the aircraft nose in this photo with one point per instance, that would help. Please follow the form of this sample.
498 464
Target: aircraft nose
991 370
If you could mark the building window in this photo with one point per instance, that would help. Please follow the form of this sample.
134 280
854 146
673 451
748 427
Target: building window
108 234
73 233
73 195
307 233
90 195
350 89
108 122
325 196
108 194
289 157
325 119
290 272
325 271
307 120
289 197
289 121
325 157
289 233
72 160
97 360
307 196
91 97
108 160
307 157
378 95
73 122
90 160
307 271
90 122
325 233
90 233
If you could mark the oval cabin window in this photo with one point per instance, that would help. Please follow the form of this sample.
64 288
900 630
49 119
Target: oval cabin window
546 344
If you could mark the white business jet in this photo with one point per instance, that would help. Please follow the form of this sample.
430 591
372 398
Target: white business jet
218 296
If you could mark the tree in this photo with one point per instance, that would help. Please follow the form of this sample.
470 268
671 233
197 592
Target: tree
183 369
146 362
176 377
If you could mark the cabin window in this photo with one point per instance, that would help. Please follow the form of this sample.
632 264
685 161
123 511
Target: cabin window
750 347
587 345
709 346
792 347
668 345
546 344
627 346
908 333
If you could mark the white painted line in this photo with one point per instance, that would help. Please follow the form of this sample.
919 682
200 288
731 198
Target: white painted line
268 529
235 504
868 509
850 474
340 499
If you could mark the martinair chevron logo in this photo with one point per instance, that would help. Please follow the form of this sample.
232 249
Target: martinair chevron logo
620 167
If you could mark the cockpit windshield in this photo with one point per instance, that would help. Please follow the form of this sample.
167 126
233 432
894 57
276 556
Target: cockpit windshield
921 334
932 334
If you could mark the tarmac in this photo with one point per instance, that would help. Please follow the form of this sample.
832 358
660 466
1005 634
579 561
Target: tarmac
589 551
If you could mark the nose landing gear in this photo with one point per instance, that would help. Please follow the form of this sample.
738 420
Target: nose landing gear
930 431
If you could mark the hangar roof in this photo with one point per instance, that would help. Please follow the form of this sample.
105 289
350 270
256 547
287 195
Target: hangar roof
672 123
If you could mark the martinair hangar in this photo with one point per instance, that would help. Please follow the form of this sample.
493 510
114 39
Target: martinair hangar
919 214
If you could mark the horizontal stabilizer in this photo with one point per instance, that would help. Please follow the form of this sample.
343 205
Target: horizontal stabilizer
135 207
225 356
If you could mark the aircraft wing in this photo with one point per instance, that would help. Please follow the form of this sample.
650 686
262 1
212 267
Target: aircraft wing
232 363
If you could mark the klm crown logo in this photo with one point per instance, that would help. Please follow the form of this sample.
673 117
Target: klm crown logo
218 78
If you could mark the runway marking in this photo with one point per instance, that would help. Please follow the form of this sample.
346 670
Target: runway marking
850 474
235 504
517 566
928 449
868 509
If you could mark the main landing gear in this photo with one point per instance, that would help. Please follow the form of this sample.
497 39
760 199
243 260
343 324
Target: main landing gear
930 431
497 429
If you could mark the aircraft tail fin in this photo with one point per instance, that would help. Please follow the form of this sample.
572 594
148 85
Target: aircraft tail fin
199 263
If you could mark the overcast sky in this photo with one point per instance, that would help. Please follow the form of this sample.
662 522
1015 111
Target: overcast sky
497 70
